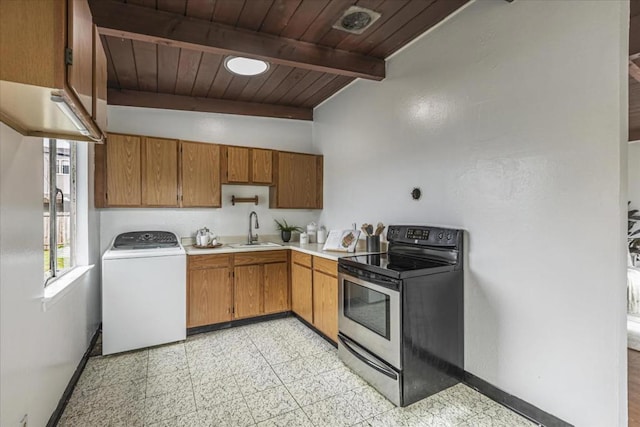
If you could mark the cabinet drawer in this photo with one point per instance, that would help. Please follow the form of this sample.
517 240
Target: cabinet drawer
260 257
300 258
325 265
196 262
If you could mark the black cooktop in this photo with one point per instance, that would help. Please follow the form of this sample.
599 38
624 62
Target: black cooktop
413 251
396 266
396 262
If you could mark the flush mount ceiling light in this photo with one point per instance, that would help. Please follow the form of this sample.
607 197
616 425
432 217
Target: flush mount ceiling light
245 66
356 20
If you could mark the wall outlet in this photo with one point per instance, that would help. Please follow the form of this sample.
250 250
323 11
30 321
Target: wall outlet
24 421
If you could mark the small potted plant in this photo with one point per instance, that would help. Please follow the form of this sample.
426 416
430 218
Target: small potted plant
286 229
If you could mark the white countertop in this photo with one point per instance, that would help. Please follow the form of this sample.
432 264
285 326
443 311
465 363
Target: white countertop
314 249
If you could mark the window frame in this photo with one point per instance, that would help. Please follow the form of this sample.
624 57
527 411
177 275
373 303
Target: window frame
53 171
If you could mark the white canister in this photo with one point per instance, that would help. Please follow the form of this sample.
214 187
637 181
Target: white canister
312 228
304 238
322 234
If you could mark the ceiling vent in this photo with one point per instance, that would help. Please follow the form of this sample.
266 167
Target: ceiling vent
356 20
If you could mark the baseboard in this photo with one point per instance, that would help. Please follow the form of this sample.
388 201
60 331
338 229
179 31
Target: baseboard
514 403
234 323
62 404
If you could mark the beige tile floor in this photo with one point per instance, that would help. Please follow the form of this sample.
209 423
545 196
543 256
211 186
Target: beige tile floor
275 373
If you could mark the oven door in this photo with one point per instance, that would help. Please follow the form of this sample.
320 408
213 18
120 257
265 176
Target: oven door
369 314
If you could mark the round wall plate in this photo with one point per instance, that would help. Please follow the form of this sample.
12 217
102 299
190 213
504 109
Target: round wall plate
416 193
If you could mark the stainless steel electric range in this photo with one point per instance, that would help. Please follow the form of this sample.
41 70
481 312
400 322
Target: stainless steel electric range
401 313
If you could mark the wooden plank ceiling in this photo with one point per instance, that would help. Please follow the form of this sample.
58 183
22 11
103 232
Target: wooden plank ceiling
170 53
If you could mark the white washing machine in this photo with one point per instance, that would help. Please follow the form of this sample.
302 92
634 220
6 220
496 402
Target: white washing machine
143 291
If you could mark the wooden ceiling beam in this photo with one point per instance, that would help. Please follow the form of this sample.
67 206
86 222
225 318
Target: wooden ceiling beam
634 37
150 25
134 98
634 71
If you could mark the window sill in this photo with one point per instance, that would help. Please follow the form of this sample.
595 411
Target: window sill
62 286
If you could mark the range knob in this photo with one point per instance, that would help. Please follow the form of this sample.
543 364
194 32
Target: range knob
449 236
440 235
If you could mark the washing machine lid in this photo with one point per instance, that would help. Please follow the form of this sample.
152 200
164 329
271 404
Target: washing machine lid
140 240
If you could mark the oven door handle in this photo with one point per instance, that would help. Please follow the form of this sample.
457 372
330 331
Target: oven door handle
351 346
376 279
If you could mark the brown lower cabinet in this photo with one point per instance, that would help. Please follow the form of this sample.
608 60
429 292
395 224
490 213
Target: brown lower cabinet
226 287
209 290
276 287
314 292
325 297
302 286
248 291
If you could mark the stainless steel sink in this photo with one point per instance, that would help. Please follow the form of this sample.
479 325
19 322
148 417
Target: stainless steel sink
255 245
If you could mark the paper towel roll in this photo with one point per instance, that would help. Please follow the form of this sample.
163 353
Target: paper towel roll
322 235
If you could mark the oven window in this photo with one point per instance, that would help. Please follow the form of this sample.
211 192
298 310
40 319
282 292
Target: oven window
367 307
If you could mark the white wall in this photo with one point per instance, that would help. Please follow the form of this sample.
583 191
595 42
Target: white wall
39 351
510 117
292 135
634 174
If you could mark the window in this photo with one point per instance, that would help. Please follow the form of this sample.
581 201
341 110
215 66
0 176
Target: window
63 166
59 207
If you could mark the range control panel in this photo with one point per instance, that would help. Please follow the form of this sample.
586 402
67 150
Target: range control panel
417 233
424 235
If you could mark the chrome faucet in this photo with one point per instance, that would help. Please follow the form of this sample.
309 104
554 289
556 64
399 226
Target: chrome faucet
253 239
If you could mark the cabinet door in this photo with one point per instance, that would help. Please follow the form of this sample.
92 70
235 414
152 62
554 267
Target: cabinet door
248 291
123 170
301 292
200 166
160 172
276 287
99 82
297 180
80 40
237 164
209 297
262 164
325 304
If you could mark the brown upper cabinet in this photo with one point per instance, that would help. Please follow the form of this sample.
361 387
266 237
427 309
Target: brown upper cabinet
200 181
174 173
237 164
298 181
140 171
99 81
48 55
160 172
262 166
243 165
80 41
123 171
